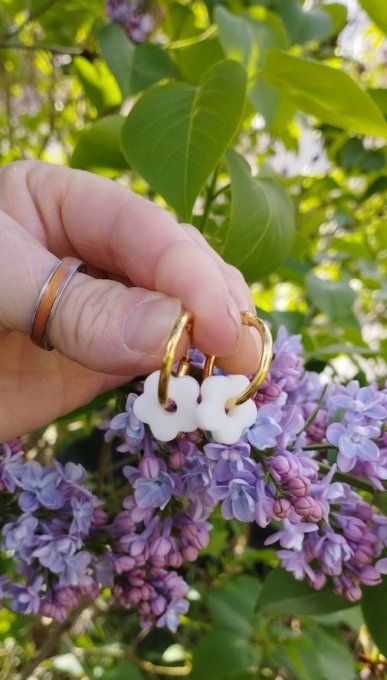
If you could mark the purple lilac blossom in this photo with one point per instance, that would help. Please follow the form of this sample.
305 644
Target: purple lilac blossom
58 533
134 18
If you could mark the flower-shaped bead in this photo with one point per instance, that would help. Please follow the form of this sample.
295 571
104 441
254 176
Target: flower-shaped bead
165 425
225 426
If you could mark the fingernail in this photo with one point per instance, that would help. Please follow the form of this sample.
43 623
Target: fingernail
150 323
235 315
257 343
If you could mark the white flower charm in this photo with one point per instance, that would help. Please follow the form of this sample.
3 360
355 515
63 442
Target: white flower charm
226 427
165 425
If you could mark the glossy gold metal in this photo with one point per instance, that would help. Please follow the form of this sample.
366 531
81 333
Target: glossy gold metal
252 321
182 323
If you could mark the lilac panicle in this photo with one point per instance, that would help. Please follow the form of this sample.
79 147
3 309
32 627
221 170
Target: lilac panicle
67 547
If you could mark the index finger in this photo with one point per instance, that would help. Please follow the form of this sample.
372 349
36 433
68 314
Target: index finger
118 231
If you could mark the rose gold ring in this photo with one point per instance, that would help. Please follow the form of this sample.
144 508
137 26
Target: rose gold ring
49 297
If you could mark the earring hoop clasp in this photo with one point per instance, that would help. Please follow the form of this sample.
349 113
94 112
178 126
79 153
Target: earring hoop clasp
252 321
182 323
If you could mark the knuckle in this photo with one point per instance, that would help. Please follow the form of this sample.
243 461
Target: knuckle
88 321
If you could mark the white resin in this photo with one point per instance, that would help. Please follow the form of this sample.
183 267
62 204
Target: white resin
226 427
165 425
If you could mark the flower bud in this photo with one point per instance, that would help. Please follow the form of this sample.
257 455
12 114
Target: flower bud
175 559
369 576
298 486
363 554
135 596
144 608
353 594
146 591
279 465
176 460
160 547
149 467
190 553
319 580
282 508
158 605
137 547
123 563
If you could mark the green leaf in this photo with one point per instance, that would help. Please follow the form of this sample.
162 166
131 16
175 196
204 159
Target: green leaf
195 56
334 658
118 52
374 607
247 38
282 594
223 655
379 95
261 226
233 605
334 298
124 670
294 321
151 63
98 147
376 10
353 155
380 500
325 92
301 658
338 15
179 21
237 39
176 133
303 26
99 84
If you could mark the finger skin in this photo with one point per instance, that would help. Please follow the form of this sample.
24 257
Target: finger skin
77 213
36 387
118 231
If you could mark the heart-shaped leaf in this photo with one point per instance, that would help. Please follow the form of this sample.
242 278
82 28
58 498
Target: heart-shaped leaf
261 227
176 133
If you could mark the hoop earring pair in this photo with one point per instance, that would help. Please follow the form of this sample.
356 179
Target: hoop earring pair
169 403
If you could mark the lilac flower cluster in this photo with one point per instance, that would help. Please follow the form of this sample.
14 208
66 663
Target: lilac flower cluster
297 469
51 513
133 16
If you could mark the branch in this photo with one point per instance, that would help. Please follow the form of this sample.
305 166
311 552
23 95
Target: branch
49 647
54 49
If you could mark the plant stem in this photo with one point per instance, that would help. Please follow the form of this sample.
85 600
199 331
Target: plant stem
315 411
210 195
319 447
350 479
54 49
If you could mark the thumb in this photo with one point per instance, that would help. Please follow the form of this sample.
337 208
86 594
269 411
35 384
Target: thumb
99 323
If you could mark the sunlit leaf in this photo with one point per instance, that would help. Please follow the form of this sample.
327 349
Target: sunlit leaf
325 92
261 226
176 133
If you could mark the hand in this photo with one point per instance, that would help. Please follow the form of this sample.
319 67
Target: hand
114 325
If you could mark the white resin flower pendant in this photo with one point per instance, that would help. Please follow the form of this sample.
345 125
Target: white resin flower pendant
226 427
166 425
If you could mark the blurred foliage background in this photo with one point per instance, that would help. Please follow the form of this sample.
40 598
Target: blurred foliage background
298 90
